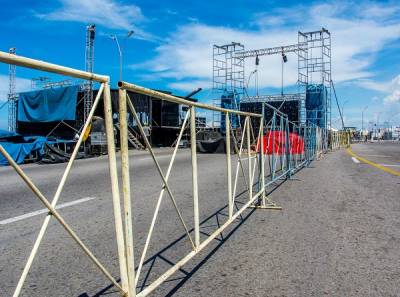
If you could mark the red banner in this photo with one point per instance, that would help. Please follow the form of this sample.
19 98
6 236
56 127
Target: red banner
275 143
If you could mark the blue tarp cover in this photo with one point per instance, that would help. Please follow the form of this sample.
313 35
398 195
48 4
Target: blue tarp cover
5 133
48 105
315 97
316 104
228 101
18 151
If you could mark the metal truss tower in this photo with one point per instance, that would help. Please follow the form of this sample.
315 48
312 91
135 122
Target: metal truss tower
315 70
302 77
12 96
301 50
228 77
89 62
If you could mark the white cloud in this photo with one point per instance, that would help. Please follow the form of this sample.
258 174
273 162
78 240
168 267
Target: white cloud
22 85
390 89
108 13
189 86
372 85
356 39
394 89
389 99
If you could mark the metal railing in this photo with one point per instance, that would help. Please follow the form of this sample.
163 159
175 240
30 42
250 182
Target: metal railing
251 161
339 139
51 205
251 155
245 153
288 146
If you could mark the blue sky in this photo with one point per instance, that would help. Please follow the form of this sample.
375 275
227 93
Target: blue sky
172 46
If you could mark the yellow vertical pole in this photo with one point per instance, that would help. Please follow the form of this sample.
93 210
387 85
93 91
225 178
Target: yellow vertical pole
195 191
126 192
249 159
228 163
114 186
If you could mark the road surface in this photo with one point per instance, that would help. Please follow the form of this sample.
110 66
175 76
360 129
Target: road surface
337 235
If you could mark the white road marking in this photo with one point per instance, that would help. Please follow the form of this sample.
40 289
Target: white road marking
380 156
41 211
390 165
355 160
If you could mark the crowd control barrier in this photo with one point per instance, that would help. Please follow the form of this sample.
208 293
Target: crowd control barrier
339 139
283 146
51 205
288 146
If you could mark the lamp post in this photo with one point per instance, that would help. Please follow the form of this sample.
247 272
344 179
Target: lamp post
114 37
362 118
343 108
377 124
248 81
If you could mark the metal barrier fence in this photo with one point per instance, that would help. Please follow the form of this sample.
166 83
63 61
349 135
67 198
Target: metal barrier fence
339 139
51 205
250 150
289 146
252 156
245 153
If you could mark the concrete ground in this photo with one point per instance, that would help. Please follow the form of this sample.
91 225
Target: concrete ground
337 235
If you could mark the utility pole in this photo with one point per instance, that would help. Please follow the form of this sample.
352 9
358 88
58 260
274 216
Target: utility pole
12 96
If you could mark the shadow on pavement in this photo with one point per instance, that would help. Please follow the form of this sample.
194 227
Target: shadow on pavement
160 255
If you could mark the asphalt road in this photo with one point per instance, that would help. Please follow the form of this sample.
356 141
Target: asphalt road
337 235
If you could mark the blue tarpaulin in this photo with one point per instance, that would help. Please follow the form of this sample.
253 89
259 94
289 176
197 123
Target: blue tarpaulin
4 133
316 104
19 151
315 97
229 101
48 105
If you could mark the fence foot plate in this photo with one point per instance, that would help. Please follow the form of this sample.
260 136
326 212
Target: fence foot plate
269 205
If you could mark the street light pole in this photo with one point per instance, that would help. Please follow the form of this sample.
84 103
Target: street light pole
120 58
362 122
362 118
343 108
377 124
114 37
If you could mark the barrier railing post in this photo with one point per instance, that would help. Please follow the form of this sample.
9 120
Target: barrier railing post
114 186
249 158
228 163
281 142
262 161
194 177
287 142
126 192
273 146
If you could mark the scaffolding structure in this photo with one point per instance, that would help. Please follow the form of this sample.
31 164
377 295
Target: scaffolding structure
12 96
87 86
315 70
300 49
302 78
44 82
272 98
313 51
228 78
